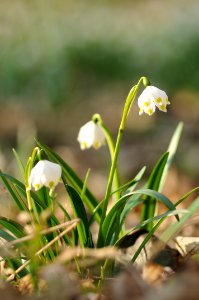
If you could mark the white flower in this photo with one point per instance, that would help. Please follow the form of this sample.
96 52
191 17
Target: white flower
91 135
45 173
151 98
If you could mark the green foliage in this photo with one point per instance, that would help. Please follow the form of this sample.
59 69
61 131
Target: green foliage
82 199
89 222
71 177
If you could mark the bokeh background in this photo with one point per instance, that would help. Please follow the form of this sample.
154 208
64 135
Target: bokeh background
61 61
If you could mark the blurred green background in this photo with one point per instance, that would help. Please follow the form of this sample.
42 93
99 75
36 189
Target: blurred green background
62 61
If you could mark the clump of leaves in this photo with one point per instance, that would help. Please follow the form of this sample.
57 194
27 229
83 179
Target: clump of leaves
42 237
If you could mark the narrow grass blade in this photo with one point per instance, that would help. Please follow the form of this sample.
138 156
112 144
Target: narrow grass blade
156 218
172 150
80 212
153 183
19 162
112 226
173 229
13 192
12 226
6 236
130 185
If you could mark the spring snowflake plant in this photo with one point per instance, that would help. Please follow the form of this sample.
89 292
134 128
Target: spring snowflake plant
41 237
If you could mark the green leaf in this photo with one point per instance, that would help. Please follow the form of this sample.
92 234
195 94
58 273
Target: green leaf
15 263
153 183
110 226
186 196
12 226
70 176
80 212
135 199
159 174
71 242
19 162
172 229
114 220
130 185
18 192
13 191
158 196
151 220
6 236
147 238
172 150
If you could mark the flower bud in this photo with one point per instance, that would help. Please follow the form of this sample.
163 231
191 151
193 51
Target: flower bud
145 81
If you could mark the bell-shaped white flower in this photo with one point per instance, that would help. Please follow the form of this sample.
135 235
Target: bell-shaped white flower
91 135
151 98
45 173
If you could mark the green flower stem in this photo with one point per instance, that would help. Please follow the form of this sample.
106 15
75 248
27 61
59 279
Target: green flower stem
116 181
27 175
31 206
129 101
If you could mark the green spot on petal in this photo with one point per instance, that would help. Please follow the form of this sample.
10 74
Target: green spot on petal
159 100
96 145
83 145
149 111
163 107
37 186
51 184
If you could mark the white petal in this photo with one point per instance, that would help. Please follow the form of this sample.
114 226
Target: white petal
90 135
152 97
44 173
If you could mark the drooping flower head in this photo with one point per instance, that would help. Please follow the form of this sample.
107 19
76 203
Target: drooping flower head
91 135
45 173
151 98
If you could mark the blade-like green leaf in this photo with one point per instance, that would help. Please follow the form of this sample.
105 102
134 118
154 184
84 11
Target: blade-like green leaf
134 200
80 212
19 162
113 223
153 183
172 229
156 218
71 242
12 226
6 236
116 209
172 150
71 177
20 191
110 224
130 204
186 196
130 185
13 192
154 194
158 196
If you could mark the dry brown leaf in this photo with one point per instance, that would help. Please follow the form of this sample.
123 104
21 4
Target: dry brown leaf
187 246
